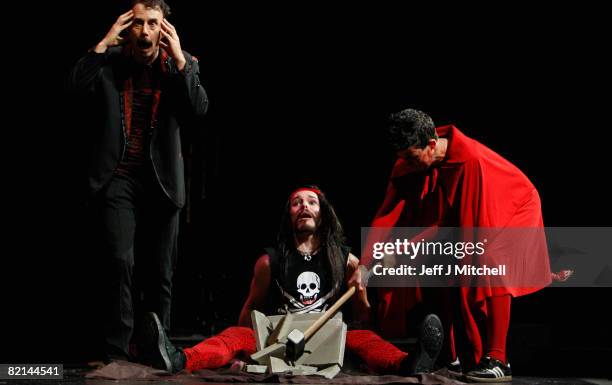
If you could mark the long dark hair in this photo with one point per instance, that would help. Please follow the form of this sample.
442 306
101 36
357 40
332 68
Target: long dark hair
330 233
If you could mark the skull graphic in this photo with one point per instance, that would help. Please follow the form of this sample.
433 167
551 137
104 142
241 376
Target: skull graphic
309 286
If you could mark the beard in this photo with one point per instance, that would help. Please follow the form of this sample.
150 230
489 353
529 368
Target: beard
306 227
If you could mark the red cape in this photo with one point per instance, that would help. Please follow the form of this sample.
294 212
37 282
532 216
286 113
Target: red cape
472 187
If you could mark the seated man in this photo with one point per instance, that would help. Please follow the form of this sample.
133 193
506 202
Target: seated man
306 272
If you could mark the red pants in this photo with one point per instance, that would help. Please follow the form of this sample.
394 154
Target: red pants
486 326
379 355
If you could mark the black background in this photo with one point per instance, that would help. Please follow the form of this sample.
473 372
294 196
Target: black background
299 94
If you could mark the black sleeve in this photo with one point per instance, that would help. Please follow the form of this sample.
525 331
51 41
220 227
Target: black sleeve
84 75
190 95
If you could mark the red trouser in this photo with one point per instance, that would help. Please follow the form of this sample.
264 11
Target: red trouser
493 315
379 355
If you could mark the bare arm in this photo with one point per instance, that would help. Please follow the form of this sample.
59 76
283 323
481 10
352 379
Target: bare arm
361 306
259 289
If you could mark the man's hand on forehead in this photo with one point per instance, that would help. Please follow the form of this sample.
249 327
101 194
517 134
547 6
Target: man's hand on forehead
113 37
169 41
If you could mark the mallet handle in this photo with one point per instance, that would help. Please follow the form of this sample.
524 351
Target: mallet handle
329 313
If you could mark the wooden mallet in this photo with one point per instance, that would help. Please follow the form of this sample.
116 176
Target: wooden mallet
293 344
296 340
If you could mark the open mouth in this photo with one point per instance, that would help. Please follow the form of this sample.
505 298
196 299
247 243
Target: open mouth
305 216
144 44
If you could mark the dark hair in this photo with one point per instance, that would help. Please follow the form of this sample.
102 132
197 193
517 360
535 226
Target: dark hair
161 4
331 237
409 128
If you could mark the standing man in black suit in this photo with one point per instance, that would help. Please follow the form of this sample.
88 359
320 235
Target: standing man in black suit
146 89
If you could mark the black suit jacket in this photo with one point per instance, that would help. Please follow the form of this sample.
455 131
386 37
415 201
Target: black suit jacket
182 100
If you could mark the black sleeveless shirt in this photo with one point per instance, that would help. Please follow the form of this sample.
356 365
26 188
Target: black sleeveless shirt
300 284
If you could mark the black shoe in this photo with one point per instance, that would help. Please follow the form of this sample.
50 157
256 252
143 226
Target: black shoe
490 370
423 358
156 349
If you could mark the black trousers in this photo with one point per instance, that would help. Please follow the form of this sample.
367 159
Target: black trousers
137 232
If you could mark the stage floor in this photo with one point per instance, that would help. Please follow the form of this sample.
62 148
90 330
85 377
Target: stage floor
138 375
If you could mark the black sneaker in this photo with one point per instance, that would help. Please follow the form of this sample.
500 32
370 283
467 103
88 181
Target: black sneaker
423 358
156 350
490 370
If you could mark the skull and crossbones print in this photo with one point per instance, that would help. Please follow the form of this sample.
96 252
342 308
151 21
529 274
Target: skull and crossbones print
309 287
309 300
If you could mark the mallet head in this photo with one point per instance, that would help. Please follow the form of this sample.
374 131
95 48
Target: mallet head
295 345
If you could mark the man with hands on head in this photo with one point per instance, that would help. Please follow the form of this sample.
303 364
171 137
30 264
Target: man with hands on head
146 90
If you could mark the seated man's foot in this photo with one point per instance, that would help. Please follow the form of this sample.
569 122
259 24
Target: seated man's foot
490 370
156 350
423 358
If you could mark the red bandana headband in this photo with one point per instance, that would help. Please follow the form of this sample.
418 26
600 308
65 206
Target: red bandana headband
314 190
